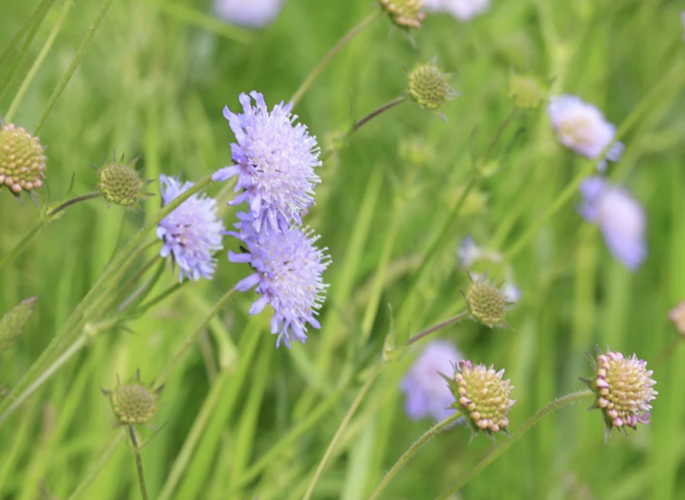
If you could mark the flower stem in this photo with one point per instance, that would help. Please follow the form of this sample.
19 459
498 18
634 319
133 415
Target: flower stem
97 468
377 112
498 135
139 462
504 445
407 455
73 201
454 319
343 425
140 310
326 59
38 63
74 64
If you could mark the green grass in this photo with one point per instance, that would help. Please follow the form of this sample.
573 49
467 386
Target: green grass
154 82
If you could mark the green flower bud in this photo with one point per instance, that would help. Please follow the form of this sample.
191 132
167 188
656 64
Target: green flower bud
526 93
429 86
486 302
132 402
120 184
22 160
13 322
404 13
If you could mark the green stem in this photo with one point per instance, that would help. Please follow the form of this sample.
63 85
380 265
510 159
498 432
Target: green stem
158 298
117 264
141 292
498 135
504 445
139 462
97 468
161 378
343 425
73 201
326 59
377 112
454 319
40 224
38 62
74 64
407 455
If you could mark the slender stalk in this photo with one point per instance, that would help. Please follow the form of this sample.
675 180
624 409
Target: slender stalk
454 319
407 455
99 465
141 292
327 58
498 135
377 112
158 298
139 462
40 224
343 425
504 445
73 201
74 64
38 62
161 378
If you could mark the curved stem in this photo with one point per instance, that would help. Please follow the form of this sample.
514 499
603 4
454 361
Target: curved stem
377 112
407 455
97 468
454 319
504 445
498 135
74 64
326 59
25 240
38 63
343 425
139 462
158 298
73 201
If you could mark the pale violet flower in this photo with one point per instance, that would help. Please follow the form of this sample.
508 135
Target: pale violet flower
248 13
469 253
583 128
425 390
274 160
463 10
620 218
192 233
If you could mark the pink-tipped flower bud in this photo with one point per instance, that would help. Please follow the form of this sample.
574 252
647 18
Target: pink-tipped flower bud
22 160
404 13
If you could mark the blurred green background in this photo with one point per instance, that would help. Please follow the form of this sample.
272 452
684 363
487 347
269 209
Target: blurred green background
154 83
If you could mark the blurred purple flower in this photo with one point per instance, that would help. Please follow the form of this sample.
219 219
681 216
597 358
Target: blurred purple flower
192 233
426 391
463 10
620 218
275 160
582 128
288 270
248 13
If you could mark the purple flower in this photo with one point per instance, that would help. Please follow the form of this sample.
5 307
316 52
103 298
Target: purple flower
463 10
288 270
249 13
582 128
426 391
192 232
620 218
275 160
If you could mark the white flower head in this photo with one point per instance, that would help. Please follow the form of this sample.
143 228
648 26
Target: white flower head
249 13
463 10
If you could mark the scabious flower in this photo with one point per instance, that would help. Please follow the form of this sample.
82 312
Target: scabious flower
624 390
192 233
463 10
620 218
487 303
288 268
405 14
133 403
428 86
582 128
248 13
22 160
275 160
120 184
425 390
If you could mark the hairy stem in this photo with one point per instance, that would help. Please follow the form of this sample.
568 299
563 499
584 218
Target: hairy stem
73 201
454 319
139 462
377 112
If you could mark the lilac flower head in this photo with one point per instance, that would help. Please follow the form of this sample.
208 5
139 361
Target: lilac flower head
425 390
275 160
620 218
249 13
463 10
192 232
582 128
288 270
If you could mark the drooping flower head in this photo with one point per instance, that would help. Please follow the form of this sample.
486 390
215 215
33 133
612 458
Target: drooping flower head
620 218
192 233
248 13
288 268
425 390
583 128
624 390
275 160
463 10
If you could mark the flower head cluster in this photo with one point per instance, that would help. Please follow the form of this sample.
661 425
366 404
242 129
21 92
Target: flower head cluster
582 128
463 10
192 233
428 86
486 302
624 390
620 218
404 13
526 92
274 161
12 323
120 184
470 255
482 396
249 13
424 388
132 402
22 160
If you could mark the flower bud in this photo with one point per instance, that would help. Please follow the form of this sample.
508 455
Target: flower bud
526 93
677 317
120 184
429 86
22 159
13 322
132 402
486 303
404 13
